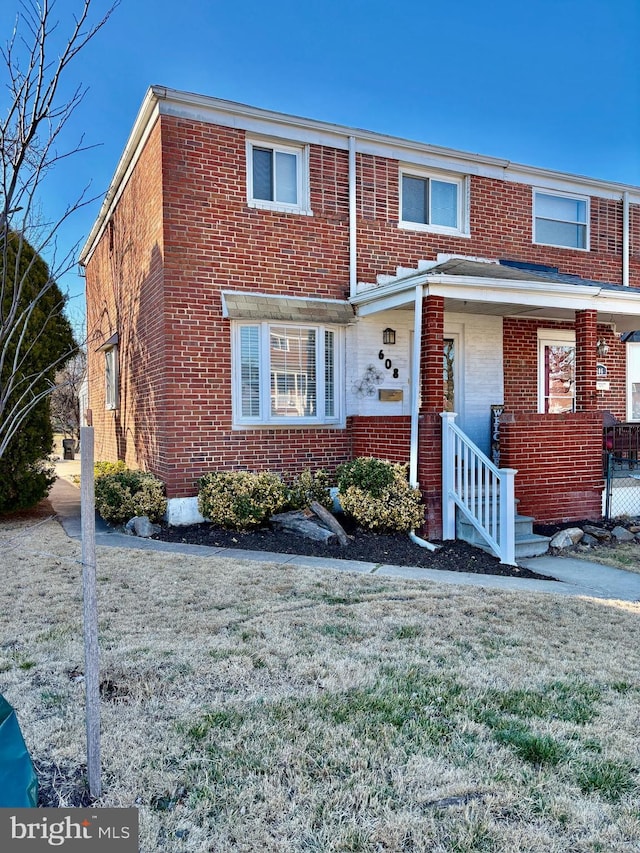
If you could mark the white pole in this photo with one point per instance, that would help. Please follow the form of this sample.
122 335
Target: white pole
90 607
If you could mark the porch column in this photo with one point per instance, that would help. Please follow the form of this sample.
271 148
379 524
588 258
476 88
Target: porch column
431 367
430 430
586 360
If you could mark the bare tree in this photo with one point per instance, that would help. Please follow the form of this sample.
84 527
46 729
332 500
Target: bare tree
65 399
34 112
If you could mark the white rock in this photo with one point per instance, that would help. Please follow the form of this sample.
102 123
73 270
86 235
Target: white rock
567 538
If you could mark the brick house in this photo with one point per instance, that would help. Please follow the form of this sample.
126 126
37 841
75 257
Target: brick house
271 292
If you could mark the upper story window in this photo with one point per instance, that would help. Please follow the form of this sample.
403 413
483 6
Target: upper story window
561 220
277 176
287 374
432 202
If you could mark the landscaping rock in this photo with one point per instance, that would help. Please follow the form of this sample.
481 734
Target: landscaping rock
567 538
589 541
598 532
142 526
621 534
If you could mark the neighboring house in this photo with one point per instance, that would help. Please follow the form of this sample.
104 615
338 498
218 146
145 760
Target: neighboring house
272 292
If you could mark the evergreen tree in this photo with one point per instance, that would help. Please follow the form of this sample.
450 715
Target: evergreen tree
39 341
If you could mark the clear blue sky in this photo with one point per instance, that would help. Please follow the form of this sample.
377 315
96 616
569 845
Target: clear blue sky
552 83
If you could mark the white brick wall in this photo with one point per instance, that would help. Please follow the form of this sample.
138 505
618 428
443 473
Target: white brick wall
364 342
481 372
480 367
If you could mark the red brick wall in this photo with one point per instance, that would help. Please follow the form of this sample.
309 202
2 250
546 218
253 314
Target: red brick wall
383 437
501 226
124 283
430 472
520 341
559 463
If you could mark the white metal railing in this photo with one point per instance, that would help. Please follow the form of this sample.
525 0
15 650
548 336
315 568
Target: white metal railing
483 493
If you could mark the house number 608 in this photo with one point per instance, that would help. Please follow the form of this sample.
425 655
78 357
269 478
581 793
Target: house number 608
388 363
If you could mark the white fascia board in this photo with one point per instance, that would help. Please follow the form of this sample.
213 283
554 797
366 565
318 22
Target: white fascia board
480 289
567 183
403 298
142 127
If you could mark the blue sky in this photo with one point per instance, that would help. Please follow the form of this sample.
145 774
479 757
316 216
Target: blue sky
552 83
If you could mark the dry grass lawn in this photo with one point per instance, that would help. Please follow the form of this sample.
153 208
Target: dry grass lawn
257 707
624 555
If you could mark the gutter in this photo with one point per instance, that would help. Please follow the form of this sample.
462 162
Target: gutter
625 238
353 262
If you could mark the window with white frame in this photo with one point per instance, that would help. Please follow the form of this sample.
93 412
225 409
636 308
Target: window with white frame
556 371
432 202
286 373
277 176
633 381
561 220
111 377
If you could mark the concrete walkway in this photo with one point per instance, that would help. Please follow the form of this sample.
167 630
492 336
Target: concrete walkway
577 577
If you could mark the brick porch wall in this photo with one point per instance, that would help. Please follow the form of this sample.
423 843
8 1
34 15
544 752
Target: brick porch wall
559 463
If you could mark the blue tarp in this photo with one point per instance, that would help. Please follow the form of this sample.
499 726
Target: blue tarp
18 780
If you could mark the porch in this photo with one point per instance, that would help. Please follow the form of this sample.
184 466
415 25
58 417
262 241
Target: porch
557 457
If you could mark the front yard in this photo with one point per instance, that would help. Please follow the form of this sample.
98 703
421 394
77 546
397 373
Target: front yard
254 707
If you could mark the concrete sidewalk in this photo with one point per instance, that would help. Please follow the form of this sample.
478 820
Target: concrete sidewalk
577 577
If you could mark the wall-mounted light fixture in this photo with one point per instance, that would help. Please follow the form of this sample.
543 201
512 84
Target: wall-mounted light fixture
389 336
602 348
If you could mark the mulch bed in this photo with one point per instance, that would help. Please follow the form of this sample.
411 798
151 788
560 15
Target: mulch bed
392 549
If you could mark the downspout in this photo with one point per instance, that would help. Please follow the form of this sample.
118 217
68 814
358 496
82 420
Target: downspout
415 407
625 238
353 267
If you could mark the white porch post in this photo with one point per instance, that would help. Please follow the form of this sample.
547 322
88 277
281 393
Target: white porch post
448 468
507 517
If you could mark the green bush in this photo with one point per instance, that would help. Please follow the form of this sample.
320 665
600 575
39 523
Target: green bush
123 494
308 487
102 468
377 495
241 499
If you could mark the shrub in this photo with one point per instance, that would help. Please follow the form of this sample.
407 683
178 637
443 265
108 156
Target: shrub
378 496
102 468
308 487
123 494
241 499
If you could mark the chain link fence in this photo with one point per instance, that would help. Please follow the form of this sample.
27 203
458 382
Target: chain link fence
622 494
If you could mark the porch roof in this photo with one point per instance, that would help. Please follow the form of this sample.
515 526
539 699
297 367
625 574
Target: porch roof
508 289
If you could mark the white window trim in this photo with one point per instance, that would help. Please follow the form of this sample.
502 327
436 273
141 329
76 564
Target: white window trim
265 420
574 197
631 345
303 207
550 337
462 228
111 395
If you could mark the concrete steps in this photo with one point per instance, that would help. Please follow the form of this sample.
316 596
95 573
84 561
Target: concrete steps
528 543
